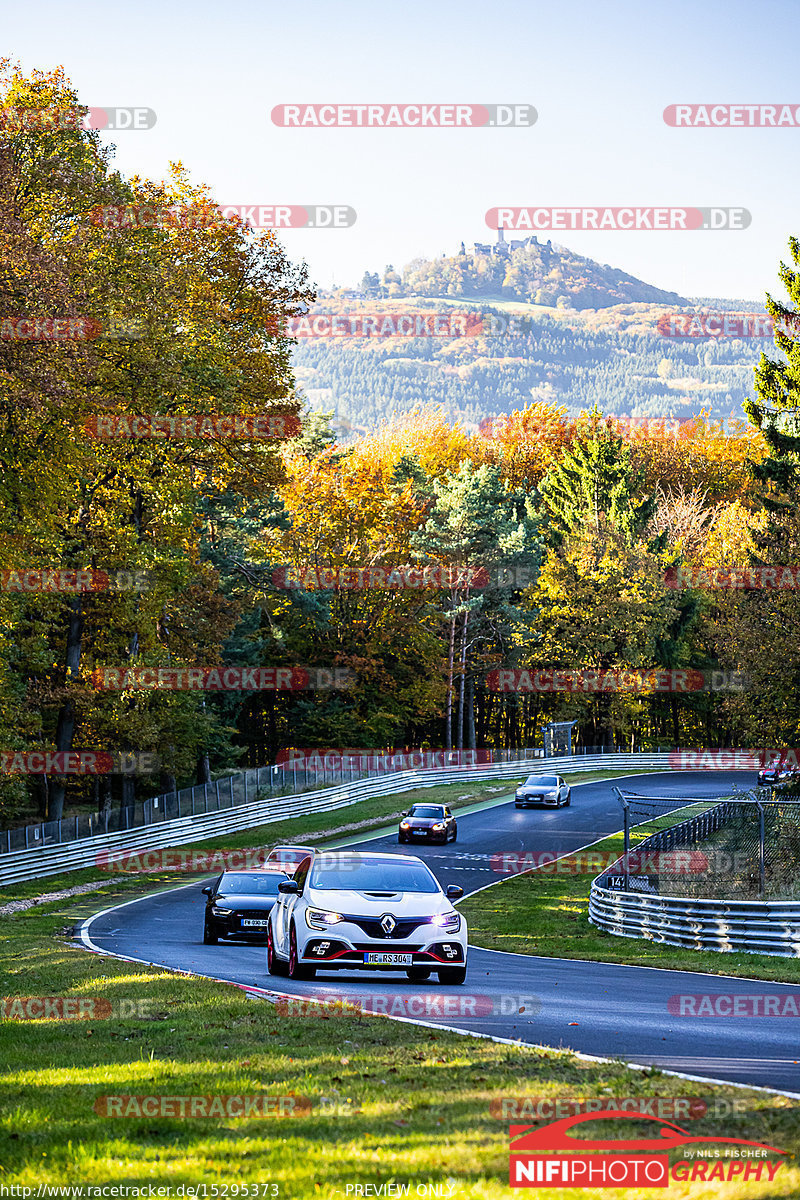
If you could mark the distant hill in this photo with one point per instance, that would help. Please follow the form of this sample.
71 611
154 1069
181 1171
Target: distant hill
530 271
582 333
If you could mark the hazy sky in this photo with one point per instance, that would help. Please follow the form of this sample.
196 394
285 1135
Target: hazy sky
599 75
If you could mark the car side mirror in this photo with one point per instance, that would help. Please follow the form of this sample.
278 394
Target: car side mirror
288 887
453 891
207 890
405 814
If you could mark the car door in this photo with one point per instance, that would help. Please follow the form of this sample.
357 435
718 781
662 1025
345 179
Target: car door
287 906
449 822
562 790
281 921
212 899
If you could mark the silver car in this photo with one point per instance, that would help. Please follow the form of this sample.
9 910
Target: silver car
546 791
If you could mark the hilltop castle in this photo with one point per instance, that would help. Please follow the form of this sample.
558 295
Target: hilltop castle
502 248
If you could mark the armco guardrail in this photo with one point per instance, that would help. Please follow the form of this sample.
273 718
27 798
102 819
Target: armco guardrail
760 927
694 923
39 862
229 791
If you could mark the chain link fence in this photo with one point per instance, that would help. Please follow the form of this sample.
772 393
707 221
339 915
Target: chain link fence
230 791
742 847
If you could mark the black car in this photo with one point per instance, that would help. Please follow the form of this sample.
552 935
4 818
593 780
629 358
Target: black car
428 822
777 773
239 903
544 790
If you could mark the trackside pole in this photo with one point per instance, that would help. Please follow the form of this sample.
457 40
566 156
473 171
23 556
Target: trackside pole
627 835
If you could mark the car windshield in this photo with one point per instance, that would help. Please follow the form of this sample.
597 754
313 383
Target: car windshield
541 781
239 883
398 875
425 810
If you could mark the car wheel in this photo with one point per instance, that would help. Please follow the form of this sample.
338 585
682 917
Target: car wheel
297 970
210 936
400 837
274 964
517 804
455 833
418 974
452 974
568 800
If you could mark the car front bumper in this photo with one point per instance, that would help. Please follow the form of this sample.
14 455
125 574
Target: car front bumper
346 944
232 926
337 954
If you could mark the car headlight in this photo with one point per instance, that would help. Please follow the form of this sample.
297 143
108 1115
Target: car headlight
552 795
320 918
405 825
221 912
439 827
449 922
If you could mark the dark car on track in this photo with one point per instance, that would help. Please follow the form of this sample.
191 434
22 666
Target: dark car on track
239 904
287 857
776 773
543 790
428 822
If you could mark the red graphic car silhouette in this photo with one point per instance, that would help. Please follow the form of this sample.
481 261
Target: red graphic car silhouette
527 1139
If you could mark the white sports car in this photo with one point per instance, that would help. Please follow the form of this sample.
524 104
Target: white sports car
373 912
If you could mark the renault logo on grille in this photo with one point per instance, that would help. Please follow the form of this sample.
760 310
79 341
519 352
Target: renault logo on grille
388 923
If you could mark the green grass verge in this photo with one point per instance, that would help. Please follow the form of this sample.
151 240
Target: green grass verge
547 913
364 816
409 1105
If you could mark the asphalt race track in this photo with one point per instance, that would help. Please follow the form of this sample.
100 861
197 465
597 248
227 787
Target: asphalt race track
597 1009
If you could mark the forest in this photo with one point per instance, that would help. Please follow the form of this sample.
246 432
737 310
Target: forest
615 357
149 596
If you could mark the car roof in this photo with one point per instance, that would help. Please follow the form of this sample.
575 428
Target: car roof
257 872
367 855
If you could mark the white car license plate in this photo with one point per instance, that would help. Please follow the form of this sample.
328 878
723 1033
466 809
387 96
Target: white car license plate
255 924
390 960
